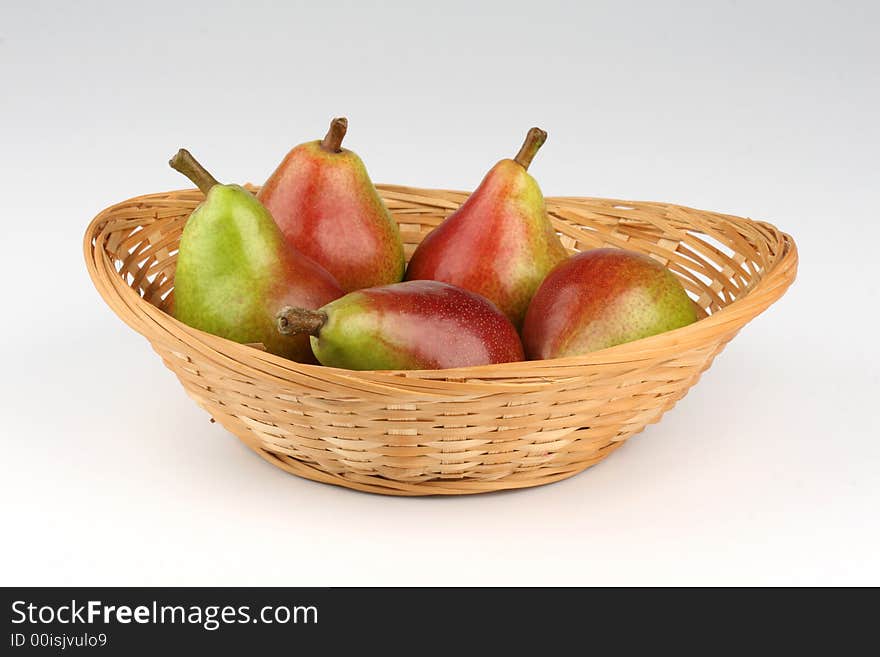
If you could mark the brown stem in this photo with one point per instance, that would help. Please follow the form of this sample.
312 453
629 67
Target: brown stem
534 140
293 321
189 166
333 139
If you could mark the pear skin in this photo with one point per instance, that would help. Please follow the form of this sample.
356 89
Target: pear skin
406 326
500 242
327 207
235 271
601 298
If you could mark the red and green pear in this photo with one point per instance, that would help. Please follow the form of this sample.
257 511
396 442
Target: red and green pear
406 326
235 271
327 207
500 242
602 298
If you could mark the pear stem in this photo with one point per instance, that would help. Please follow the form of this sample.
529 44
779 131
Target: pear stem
294 321
189 166
534 140
333 139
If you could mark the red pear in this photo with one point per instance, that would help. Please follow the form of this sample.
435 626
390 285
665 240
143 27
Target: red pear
601 298
327 207
500 242
406 326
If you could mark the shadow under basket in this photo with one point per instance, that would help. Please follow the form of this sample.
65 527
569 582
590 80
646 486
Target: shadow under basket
450 432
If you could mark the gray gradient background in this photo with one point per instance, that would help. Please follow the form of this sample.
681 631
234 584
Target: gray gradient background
767 473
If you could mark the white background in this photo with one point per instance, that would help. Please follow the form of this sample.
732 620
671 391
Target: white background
766 473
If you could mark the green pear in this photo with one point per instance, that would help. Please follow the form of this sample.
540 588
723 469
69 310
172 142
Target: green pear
235 271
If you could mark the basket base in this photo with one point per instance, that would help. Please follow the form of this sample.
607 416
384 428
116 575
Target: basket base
384 486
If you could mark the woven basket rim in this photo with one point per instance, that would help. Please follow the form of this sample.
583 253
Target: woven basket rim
738 312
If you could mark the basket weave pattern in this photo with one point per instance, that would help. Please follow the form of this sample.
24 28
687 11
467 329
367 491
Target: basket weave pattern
459 431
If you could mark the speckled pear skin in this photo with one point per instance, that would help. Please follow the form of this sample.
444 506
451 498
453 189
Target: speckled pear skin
327 207
602 298
235 272
499 243
415 325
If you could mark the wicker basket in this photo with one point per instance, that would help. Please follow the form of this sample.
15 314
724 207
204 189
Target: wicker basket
456 431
